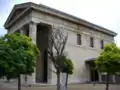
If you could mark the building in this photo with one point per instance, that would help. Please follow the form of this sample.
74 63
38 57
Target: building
85 40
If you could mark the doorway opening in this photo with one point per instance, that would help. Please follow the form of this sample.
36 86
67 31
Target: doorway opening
93 73
42 61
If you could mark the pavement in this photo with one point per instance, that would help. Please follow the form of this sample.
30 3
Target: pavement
53 87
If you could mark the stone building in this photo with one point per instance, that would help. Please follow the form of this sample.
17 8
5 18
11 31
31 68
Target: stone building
85 40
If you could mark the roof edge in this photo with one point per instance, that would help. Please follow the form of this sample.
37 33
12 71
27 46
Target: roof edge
76 19
67 17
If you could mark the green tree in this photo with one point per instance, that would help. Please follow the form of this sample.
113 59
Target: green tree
17 56
109 61
67 68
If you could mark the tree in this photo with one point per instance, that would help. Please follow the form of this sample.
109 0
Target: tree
67 68
57 45
109 61
18 56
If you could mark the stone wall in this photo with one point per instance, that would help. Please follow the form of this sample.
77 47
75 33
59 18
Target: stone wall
78 53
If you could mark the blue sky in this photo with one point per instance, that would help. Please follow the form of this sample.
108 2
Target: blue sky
105 13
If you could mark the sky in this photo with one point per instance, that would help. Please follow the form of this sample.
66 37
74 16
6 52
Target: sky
105 13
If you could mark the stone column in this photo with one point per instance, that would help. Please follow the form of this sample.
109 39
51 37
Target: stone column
49 61
100 77
32 33
113 79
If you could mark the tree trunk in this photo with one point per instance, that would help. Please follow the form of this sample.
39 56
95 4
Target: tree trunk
19 82
107 82
66 81
58 80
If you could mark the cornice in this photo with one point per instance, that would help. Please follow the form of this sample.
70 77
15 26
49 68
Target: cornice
65 16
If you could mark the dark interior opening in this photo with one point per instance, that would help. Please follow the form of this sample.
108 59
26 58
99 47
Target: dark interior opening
94 75
42 61
45 65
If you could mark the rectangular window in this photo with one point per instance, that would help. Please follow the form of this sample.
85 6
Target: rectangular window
91 42
102 44
79 42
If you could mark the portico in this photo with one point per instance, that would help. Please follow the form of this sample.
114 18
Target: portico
39 32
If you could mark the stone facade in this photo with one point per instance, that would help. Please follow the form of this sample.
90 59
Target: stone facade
31 18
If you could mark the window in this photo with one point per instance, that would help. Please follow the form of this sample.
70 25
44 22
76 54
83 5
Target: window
102 44
91 42
79 42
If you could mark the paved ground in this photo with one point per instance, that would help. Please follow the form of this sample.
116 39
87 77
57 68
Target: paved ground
71 87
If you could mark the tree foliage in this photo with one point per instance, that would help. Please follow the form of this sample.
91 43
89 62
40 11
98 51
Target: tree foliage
68 66
109 61
17 55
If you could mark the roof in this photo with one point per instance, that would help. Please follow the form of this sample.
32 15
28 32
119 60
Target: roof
49 10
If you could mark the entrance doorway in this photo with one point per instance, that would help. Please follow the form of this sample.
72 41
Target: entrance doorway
42 61
93 73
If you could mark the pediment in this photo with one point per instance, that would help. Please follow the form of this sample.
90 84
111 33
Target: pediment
16 11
